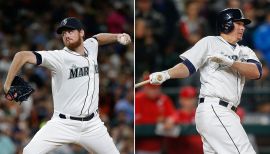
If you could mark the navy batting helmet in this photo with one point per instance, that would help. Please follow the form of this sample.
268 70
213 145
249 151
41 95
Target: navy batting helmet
226 18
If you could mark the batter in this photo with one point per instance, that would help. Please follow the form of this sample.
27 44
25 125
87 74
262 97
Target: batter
223 65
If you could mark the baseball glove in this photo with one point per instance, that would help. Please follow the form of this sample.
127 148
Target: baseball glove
19 90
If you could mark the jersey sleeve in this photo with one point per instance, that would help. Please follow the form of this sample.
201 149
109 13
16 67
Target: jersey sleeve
91 45
196 56
252 55
91 40
51 59
248 55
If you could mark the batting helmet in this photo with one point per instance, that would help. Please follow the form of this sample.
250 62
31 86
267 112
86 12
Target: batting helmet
226 18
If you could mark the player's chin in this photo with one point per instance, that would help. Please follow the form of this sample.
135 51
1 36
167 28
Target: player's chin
69 43
73 45
66 44
240 37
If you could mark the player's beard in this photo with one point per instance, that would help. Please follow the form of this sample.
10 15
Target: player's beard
75 45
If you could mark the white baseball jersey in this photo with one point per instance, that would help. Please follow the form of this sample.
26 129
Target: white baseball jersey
75 79
217 80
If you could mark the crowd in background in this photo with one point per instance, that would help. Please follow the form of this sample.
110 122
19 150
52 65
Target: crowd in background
30 25
164 29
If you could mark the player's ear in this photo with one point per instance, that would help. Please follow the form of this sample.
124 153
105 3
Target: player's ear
82 33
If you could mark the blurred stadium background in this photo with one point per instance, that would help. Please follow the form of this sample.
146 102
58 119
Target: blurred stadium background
166 28
30 25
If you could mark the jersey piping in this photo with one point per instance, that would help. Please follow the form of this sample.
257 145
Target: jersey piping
225 129
87 87
94 84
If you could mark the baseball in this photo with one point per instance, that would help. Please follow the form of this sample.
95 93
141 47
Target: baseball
123 39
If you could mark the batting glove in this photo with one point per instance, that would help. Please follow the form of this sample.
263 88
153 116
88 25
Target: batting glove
221 59
158 78
123 39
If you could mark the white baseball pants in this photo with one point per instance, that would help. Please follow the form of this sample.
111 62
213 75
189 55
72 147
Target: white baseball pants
92 135
221 130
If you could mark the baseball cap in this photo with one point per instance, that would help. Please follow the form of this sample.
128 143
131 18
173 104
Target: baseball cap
69 23
187 92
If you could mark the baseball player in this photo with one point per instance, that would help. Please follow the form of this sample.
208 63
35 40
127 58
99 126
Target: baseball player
75 90
223 65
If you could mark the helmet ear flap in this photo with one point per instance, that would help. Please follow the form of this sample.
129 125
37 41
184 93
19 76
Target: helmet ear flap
227 26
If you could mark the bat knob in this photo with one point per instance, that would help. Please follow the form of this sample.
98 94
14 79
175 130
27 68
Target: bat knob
159 77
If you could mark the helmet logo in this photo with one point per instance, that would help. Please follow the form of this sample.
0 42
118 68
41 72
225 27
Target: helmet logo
229 16
64 22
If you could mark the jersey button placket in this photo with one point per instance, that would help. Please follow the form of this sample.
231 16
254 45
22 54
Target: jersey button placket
88 84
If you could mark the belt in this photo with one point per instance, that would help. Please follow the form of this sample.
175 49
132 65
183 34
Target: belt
87 118
221 102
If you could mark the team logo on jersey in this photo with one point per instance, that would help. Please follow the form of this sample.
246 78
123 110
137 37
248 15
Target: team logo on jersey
233 57
76 72
222 66
243 58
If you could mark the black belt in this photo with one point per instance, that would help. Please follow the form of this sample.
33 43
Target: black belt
87 118
221 102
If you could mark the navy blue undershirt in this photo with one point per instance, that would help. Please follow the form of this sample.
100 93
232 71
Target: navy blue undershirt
190 66
259 66
38 57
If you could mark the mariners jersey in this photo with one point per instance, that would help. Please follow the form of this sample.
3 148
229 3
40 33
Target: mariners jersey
218 80
75 79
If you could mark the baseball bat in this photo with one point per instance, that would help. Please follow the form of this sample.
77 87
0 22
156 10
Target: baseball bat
142 83
159 77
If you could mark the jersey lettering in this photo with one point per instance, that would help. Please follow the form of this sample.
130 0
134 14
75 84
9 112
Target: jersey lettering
78 72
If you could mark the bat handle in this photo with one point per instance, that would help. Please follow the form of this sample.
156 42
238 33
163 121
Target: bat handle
142 83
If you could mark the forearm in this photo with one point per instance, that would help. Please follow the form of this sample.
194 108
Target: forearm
249 70
106 38
18 61
178 71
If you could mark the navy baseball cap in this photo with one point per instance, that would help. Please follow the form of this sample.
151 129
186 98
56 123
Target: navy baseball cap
69 23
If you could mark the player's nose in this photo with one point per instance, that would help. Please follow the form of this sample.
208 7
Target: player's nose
242 27
66 37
